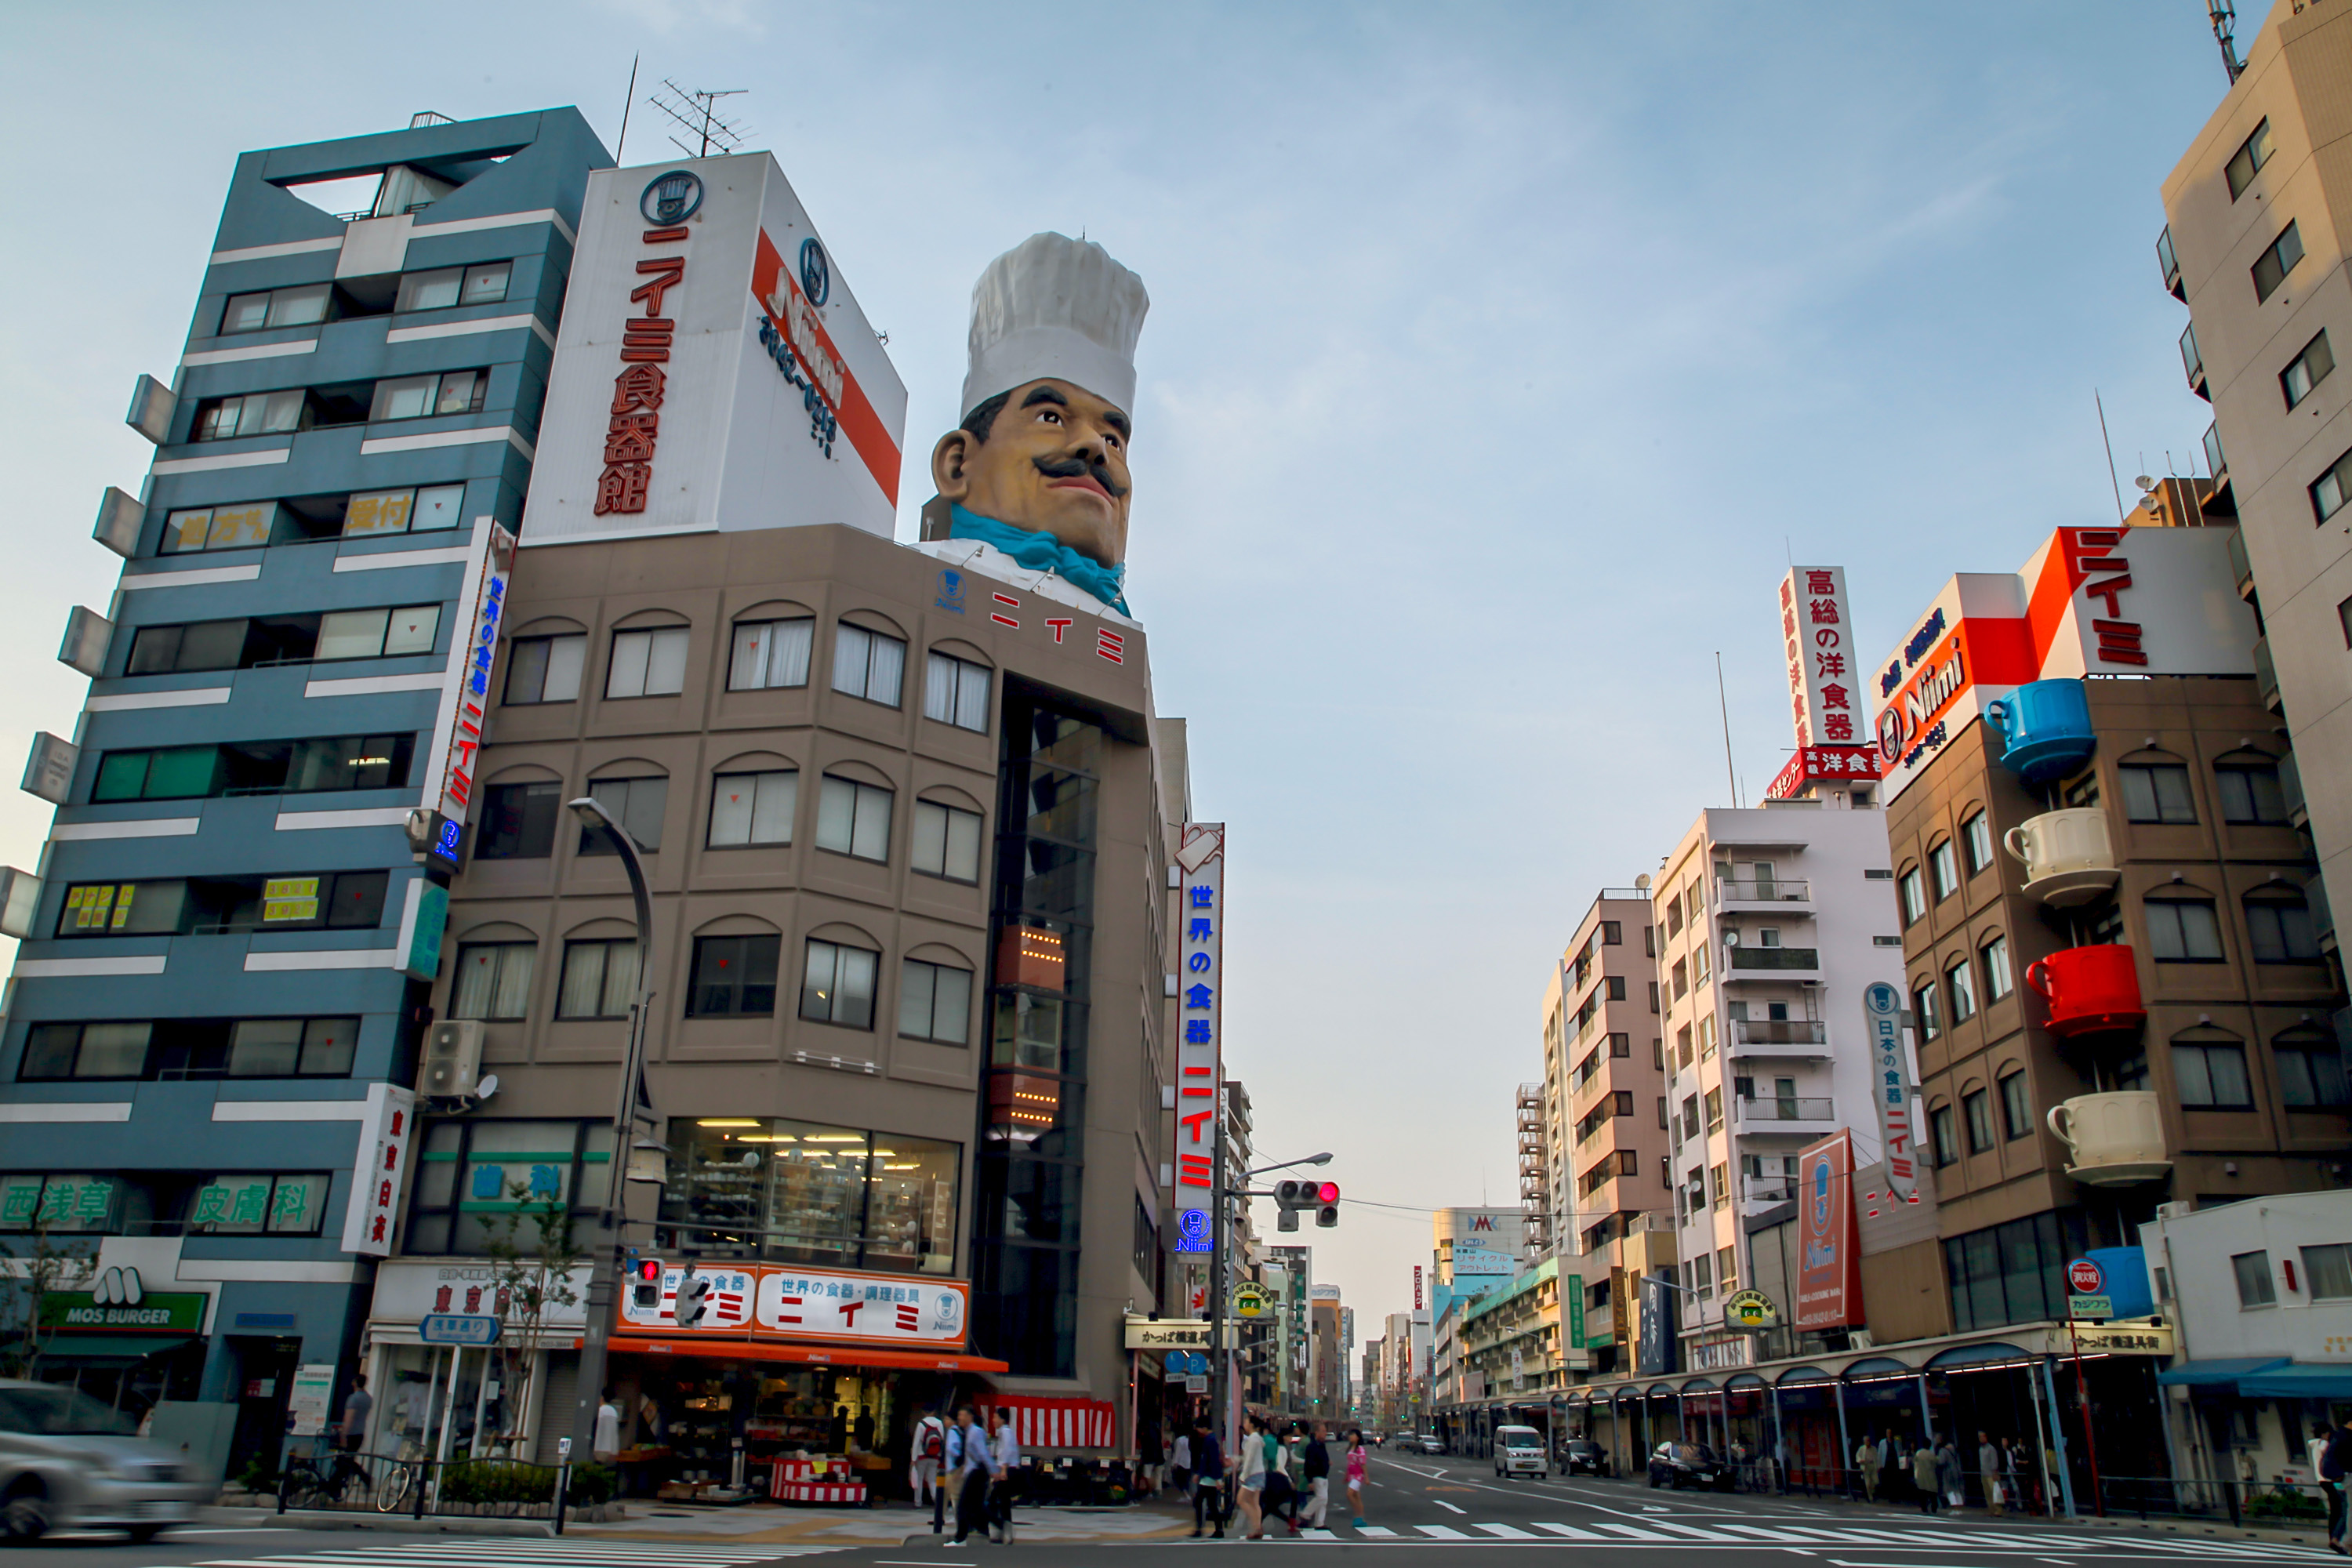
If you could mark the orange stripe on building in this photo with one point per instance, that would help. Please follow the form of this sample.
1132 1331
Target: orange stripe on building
858 420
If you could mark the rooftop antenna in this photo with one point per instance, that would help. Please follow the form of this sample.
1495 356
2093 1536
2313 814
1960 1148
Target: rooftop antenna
2224 18
627 99
1725 704
697 113
2116 483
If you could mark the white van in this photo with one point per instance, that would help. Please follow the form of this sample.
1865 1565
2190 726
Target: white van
1518 1451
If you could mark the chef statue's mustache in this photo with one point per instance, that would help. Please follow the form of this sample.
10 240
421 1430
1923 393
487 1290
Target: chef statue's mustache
1079 468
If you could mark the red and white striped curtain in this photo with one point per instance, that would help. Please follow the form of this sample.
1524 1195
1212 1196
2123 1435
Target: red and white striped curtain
1040 1424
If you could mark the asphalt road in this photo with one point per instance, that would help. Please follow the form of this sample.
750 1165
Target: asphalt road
1418 1511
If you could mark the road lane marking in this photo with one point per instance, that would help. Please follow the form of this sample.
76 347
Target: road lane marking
1569 1531
1444 1504
1634 1532
1379 1530
1507 1531
1440 1532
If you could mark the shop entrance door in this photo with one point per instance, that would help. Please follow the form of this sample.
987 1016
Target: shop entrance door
265 1378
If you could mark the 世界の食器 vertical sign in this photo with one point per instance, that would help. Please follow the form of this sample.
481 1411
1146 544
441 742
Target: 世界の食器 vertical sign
1890 1085
1200 1000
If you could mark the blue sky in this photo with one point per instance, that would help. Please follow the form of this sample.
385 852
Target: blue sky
1498 356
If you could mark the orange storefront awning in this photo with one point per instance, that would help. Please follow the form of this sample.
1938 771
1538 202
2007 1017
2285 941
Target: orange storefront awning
806 1356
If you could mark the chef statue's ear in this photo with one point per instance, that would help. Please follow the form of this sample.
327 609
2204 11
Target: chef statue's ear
950 460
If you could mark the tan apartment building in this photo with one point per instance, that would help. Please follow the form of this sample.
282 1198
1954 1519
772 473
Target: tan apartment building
1604 1104
2257 215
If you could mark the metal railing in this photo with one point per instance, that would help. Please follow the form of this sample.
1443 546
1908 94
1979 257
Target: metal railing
1733 890
337 1481
1768 1189
1787 1109
2266 686
1779 1032
1776 958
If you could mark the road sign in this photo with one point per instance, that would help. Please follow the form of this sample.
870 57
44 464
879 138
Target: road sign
458 1329
2086 1278
1250 1300
2090 1307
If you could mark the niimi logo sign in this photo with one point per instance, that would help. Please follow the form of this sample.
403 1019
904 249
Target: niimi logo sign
1903 722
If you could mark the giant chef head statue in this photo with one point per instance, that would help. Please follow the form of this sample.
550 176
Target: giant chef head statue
1038 468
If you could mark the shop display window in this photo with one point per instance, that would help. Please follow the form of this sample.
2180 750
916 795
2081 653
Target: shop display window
798 1192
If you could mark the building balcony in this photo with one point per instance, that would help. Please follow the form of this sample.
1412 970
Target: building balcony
1779 1037
1796 1117
2266 684
2067 855
2113 1140
2170 266
2239 566
1745 963
2298 814
1731 892
2088 990
1758 1193
2192 362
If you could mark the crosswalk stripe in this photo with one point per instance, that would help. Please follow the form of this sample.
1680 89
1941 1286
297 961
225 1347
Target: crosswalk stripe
543 1554
1692 1531
1507 1531
1374 1529
1441 1531
1317 1534
1759 1532
1569 1531
1633 1532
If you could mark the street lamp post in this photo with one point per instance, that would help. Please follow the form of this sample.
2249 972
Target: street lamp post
604 1260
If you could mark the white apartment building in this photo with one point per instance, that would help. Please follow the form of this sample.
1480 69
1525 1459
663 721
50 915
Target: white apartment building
1770 920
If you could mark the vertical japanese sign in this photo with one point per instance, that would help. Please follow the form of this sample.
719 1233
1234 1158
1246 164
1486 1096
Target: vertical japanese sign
1882 1020
1822 689
1201 1009
646 338
1416 1287
1575 1290
385 1132
1829 1268
466 699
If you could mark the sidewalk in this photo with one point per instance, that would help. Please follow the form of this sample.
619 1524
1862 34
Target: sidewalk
748 1523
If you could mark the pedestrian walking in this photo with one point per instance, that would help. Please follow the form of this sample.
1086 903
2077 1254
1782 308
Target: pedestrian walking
356 1406
1355 1477
1004 1452
1865 1459
2013 1473
969 1463
1250 1474
1179 1463
923 1456
1948 1476
1923 1477
1208 1481
2335 1475
1989 1471
1316 1465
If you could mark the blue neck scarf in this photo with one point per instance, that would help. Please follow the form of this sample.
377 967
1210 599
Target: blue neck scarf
1043 553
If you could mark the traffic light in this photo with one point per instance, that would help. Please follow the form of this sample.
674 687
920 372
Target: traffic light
1327 1202
1323 1198
645 1282
693 1298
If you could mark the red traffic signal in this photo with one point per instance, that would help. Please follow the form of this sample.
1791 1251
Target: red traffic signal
650 1270
1328 1192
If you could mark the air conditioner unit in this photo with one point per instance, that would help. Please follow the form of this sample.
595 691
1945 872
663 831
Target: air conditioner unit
453 1059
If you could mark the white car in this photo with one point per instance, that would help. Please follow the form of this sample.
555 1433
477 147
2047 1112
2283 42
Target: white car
68 1462
1518 1451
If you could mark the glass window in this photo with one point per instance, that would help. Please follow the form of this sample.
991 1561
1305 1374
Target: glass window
2250 156
124 909
1998 981
518 822
946 842
2272 267
870 665
735 977
1961 986
637 804
2211 1075
2249 792
2016 1110
493 980
838 984
255 413
810 1194
1943 864
1978 1108
2311 1072
87 1050
2254 1272
486 283
647 663
405 397
935 1003
2156 791
1975 833
854 818
2328 491
1939 1128
2307 370
379 511
2183 930
956 692
770 653
219 528
301 306
600 978
1912 894
2279 930
2328 1271
1924 1014
482 1184
754 808
352 634
435 291
79 1205
545 669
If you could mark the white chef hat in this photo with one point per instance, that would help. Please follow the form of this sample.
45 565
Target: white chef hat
1054 306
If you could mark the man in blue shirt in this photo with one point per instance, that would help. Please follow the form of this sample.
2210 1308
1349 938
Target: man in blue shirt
970 1462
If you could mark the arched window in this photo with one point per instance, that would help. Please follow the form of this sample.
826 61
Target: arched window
2183 927
2248 784
2310 1069
2155 787
2208 1067
637 793
2279 926
772 647
648 656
